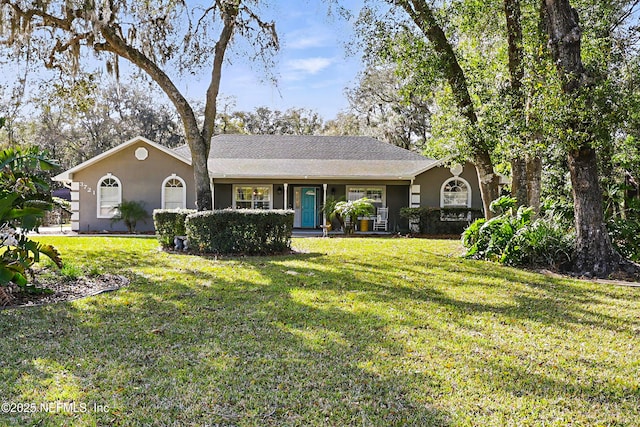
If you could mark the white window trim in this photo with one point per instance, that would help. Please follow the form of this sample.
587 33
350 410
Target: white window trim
383 187
444 184
253 185
184 190
99 195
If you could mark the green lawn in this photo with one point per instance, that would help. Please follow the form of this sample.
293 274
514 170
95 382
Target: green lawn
363 332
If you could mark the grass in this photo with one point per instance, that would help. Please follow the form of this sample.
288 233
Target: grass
361 332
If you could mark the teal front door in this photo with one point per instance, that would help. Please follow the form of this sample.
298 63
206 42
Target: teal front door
308 207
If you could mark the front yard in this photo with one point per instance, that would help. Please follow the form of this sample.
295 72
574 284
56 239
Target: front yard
366 332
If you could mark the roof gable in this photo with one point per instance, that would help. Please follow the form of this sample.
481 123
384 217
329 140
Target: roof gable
66 175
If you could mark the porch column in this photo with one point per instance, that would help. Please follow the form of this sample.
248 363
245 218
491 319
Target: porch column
324 201
286 196
410 191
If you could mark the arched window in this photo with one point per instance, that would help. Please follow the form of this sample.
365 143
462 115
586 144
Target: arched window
109 196
174 193
455 192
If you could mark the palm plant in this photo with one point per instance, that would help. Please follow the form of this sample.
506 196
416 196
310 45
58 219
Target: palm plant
130 212
352 209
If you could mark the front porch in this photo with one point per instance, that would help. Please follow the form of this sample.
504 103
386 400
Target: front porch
306 198
306 232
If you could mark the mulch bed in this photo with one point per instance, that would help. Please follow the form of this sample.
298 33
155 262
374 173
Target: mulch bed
61 290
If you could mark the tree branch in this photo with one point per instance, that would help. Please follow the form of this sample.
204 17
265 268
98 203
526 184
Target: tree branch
229 15
115 43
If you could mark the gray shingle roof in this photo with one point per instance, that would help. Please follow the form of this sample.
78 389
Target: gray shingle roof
275 156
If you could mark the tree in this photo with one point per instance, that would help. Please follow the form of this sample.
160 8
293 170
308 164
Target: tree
294 121
389 110
78 117
526 165
442 57
154 37
595 253
343 124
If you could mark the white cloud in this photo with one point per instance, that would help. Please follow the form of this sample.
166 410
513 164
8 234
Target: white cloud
307 42
298 41
309 65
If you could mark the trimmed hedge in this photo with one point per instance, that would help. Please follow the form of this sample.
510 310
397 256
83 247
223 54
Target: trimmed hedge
441 220
170 223
240 231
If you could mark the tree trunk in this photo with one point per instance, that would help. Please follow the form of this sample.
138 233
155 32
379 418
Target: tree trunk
594 253
519 185
422 15
199 158
488 181
534 181
526 180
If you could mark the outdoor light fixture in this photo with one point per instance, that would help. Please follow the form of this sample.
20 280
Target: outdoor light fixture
333 191
279 190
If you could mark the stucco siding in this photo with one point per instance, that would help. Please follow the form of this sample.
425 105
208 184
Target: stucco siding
223 196
397 198
431 181
141 181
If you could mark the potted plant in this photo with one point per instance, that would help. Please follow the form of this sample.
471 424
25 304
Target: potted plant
352 210
329 210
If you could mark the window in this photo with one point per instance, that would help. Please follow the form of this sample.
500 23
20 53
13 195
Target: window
455 193
252 197
174 194
109 196
374 193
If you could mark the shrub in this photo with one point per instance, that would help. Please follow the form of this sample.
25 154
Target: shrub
170 223
240 231
517 239
24 198
625 236
130 212
441 220
543 243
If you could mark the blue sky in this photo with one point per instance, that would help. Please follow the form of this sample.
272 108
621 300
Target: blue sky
312 66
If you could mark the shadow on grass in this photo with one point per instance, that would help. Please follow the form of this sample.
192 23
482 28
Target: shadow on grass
211 350
309 339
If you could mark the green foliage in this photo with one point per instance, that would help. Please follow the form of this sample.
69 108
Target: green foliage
625 236
543 242
624 230
71 271
24 198
441 220
517 239
329 208
502 205
130 212
352 209
170 223
240 231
